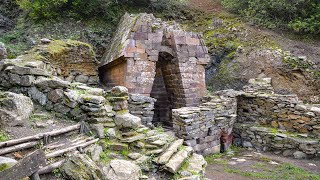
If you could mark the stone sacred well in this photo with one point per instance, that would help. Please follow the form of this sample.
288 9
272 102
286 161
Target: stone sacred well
157 59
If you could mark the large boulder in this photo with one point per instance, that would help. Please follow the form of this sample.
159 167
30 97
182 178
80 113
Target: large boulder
3 51
127 120
81 167
6 163
122 170
15 109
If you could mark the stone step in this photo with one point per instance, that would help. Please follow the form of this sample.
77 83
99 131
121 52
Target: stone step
173 148
178 159
133 138
196 164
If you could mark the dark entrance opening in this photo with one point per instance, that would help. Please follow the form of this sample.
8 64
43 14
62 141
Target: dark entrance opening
165 89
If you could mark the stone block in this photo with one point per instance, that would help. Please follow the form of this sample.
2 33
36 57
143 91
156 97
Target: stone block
192 41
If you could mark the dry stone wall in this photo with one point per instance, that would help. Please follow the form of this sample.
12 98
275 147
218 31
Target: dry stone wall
208 128
143 107
275 122
284 112
74 100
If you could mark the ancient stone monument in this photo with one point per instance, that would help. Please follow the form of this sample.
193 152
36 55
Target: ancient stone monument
158 59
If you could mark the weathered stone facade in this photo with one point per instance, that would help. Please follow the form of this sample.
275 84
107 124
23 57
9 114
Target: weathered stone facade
158 59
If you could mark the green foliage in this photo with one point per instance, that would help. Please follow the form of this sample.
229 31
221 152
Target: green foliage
57 173
3 136
110 10
301 16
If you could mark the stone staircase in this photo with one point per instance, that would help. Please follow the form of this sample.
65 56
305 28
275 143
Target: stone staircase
155 148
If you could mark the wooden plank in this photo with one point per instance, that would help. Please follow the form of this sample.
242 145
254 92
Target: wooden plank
51 167
18 147
39 136
25 167
71 148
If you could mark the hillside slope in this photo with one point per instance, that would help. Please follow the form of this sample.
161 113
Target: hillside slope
241 51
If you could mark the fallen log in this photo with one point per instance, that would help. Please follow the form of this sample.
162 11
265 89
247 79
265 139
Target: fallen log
51 167
62 151
39 136
25 167
18 147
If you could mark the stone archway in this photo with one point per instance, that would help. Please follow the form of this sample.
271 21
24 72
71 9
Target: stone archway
165 88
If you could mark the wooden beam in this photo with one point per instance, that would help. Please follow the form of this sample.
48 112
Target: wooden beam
39 136
71 148
51 167
18 147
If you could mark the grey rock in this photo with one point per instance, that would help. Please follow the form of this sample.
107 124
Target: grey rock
55 95
55 83
173 148
127 120
27 80
26 71
76 112
80 167
95 154
197 164
299 155
111 133
118 146
15 109
134 156
6 163
178 159
247 144
141 99
99 130
87 98
3 51
39 124
61 108
82 78
93 80
287 153
122 170
45 41
14 78
133 138
119 91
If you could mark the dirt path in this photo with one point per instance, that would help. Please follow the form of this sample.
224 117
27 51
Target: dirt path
251 165
206 5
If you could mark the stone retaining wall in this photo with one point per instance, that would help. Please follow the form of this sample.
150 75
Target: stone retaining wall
275 122
285 112
207 128
74 100
279 111
280 142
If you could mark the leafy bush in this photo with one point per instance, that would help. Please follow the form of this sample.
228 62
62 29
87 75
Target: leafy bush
299 15
109 10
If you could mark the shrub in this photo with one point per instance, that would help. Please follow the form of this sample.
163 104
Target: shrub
299 15
110 10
